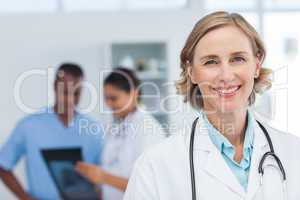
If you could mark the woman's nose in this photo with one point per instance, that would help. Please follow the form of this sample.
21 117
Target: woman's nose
226 73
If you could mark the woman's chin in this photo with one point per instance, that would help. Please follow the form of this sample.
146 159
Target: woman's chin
120 115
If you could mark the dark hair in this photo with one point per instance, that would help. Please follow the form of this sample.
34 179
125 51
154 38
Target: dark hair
123 79
70 68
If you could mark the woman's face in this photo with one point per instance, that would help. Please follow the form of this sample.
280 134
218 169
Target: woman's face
224 68
119 101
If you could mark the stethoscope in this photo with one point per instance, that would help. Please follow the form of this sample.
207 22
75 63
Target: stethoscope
260 166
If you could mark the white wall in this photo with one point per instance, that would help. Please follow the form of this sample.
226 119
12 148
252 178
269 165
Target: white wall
45 40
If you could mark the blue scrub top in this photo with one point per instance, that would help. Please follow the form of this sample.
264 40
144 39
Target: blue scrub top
44 130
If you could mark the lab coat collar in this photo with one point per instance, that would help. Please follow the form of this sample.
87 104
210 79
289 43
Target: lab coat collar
131 116
203 142
216 166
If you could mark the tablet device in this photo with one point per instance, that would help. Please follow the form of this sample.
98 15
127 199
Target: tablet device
70 184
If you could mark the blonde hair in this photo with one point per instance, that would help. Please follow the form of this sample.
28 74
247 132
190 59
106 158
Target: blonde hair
190 91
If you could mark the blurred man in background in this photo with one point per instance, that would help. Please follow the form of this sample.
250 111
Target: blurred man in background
57 127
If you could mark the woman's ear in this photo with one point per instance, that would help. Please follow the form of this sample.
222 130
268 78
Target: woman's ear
190 72
136 94
257 67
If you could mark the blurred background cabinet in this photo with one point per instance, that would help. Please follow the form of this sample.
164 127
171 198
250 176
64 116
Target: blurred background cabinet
149 61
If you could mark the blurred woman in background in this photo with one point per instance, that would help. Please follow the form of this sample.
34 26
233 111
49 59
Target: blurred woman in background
132 131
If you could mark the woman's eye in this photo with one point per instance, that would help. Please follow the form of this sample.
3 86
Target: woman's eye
210 62
238 59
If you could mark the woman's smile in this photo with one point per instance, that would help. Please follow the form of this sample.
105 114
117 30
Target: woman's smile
227 92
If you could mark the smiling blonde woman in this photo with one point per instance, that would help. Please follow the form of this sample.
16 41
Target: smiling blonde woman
227 154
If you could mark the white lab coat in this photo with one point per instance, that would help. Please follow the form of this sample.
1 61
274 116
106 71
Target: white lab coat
124 143
163 172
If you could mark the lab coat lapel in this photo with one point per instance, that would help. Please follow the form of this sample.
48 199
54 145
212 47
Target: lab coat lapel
215 165
260 146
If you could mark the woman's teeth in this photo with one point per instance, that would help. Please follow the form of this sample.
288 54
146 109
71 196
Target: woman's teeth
226 91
